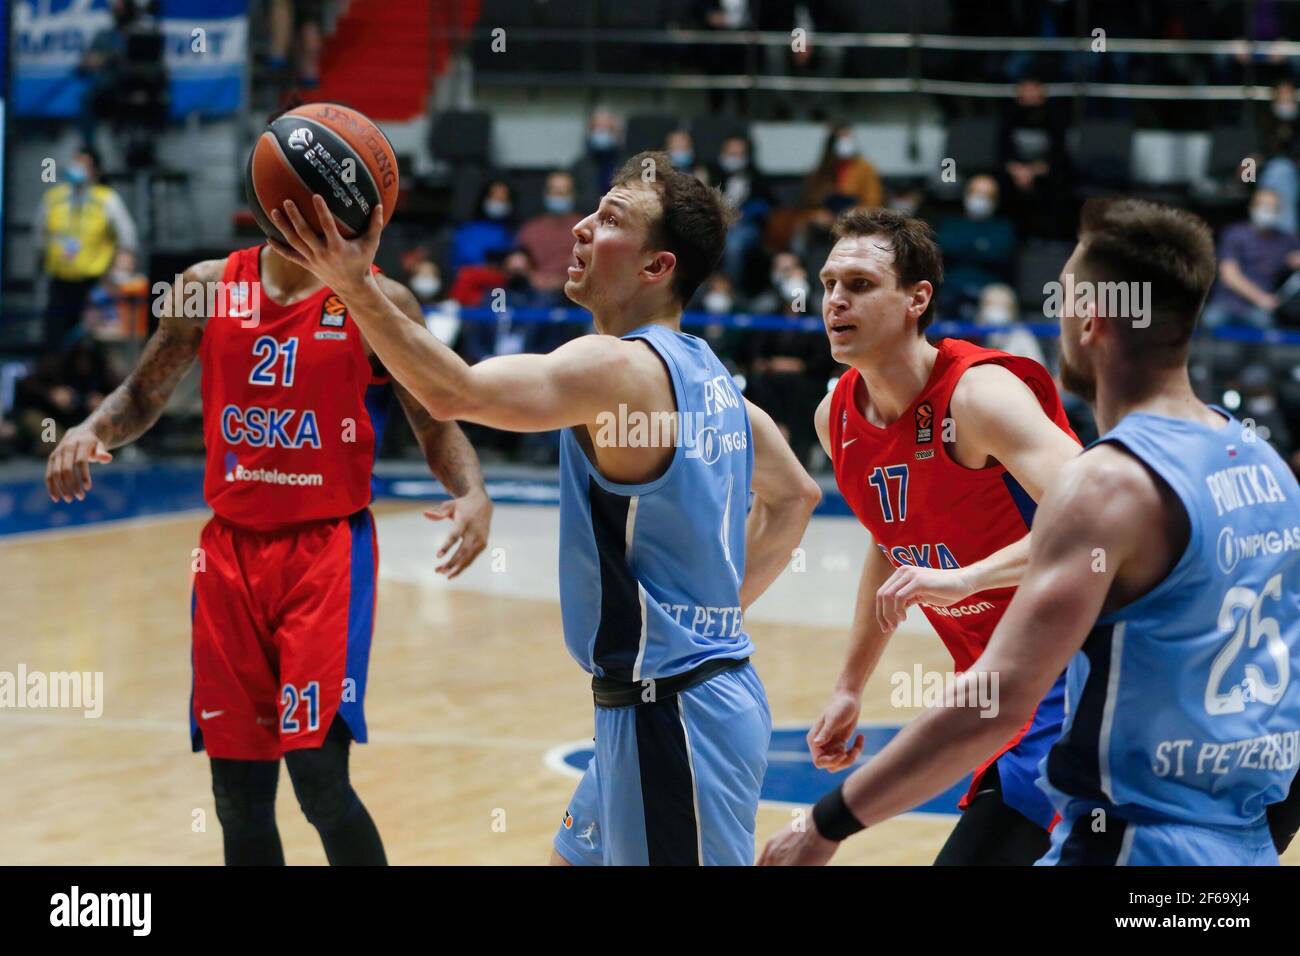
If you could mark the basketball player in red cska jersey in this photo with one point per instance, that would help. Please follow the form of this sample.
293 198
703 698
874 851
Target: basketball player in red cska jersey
294 403
941 452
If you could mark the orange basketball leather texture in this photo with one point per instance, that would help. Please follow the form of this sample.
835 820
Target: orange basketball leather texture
271 176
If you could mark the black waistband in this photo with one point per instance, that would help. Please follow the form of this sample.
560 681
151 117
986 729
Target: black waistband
618 693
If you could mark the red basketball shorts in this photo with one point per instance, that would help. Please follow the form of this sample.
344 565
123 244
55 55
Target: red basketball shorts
282 622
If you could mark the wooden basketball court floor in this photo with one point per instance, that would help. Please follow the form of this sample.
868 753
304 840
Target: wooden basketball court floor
470 690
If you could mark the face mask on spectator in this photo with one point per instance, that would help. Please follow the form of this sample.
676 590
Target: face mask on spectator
717 303
559 205
601 140
995 315
496 208
1263 217
1286 111
732 162
682 158
425 286
76 174
846 147
978 206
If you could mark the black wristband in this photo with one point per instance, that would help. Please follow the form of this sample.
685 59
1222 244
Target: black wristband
833 818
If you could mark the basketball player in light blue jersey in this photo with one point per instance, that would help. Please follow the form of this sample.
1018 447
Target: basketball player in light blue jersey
1164 570
661 547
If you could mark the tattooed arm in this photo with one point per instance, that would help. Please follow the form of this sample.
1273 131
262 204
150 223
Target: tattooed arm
134 406
451 458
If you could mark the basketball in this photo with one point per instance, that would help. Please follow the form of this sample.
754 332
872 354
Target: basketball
322 148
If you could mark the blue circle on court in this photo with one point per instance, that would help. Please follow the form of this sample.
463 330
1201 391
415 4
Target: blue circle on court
792 779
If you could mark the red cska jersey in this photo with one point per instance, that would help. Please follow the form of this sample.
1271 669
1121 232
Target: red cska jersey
923 508
292 411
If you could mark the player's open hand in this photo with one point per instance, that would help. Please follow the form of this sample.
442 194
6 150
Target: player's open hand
911 585
342 264
798 846
471 516
829 739
67 472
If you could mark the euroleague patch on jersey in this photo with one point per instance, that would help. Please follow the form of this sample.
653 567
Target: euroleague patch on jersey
791 778
333 312
924 423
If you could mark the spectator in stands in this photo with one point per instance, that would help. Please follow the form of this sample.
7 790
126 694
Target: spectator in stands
1260 406
118 305
680 147
1033 161
601 157
81 225
729 59
1277 126
65 387
997 310
1277 119
296 28
789 289
717 296
1254 259
978 247
803 59
492 231
425 282
906 196
787 371
843 177
747 192
549 237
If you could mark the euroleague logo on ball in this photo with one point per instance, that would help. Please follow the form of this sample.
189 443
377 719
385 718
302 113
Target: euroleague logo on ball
300 138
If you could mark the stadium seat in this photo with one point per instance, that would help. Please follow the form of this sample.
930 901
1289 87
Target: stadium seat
648 131
566 14
1103 156
1038 263
510 13
973 144
465 189
710 131
644 14
528 185
458 137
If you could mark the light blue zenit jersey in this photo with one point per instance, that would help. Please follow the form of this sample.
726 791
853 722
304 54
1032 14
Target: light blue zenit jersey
650 574
1185 705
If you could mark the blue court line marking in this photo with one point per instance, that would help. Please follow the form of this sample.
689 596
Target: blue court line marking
791 779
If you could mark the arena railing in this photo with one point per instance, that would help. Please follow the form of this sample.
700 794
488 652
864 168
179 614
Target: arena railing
813 324
914 83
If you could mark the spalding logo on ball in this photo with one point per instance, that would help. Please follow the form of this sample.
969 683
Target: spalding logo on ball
328 149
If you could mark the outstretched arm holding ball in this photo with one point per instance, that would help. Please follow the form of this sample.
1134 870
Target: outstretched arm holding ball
525 393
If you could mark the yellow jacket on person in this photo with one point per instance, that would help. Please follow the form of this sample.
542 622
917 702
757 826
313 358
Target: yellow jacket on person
82 229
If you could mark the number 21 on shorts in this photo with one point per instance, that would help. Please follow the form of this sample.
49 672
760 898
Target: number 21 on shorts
290 697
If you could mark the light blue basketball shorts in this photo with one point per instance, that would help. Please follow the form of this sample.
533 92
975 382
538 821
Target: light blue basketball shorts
674 781
1076 842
